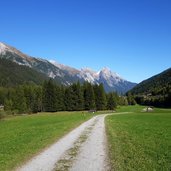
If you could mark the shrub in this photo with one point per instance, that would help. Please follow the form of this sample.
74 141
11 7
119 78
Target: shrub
2 114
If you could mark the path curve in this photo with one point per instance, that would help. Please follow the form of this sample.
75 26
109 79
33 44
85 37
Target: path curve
91 156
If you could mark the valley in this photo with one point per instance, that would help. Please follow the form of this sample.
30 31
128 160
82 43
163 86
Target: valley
55 117
85 85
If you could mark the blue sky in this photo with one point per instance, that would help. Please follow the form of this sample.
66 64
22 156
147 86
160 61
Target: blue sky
132 37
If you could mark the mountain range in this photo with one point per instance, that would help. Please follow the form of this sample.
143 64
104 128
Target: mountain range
66 75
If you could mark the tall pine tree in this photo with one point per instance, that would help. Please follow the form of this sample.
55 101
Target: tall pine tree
49 96
89 98
19 100
59 98
111 101
100 97
77 97
69 99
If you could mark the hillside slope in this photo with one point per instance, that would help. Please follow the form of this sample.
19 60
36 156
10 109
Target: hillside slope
157 84
155 90
12 74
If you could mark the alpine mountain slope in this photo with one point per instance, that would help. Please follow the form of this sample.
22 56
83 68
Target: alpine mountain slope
66 75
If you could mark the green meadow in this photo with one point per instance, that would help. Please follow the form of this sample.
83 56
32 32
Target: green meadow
21 137
136 140
139 140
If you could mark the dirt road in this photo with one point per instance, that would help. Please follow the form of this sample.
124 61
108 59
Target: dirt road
93 155
83 149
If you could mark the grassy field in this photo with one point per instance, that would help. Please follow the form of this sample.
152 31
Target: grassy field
140 141
23 136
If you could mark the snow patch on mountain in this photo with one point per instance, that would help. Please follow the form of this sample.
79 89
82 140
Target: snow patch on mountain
70 70
52 75
42 60
56 63
89 75
3 48
25 63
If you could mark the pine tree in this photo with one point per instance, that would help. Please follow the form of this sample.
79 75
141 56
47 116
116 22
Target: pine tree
37 100
100 97
49 96
19 101
29 95
69 100
63 97
59 99
80 98
89 98
77 97
111 101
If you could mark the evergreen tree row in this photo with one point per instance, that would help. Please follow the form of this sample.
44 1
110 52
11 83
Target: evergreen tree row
51 98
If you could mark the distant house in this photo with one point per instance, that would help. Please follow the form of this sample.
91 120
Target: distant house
92 111
1 107
148 109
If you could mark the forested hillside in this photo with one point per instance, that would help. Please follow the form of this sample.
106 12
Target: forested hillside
155 90
12 74
50 97
25 90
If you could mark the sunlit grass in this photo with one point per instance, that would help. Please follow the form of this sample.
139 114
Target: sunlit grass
140 141
21 137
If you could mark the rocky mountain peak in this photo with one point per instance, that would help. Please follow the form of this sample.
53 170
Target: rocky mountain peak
65 74
107 73
88 70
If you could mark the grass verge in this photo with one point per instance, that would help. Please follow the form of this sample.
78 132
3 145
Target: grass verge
140 141
21 137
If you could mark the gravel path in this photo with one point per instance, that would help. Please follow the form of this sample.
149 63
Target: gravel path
83 149
92 156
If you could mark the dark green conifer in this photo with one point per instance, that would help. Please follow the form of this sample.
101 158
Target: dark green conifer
89 98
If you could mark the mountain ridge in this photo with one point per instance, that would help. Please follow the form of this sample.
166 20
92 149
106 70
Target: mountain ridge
155 91
157 81
65 74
